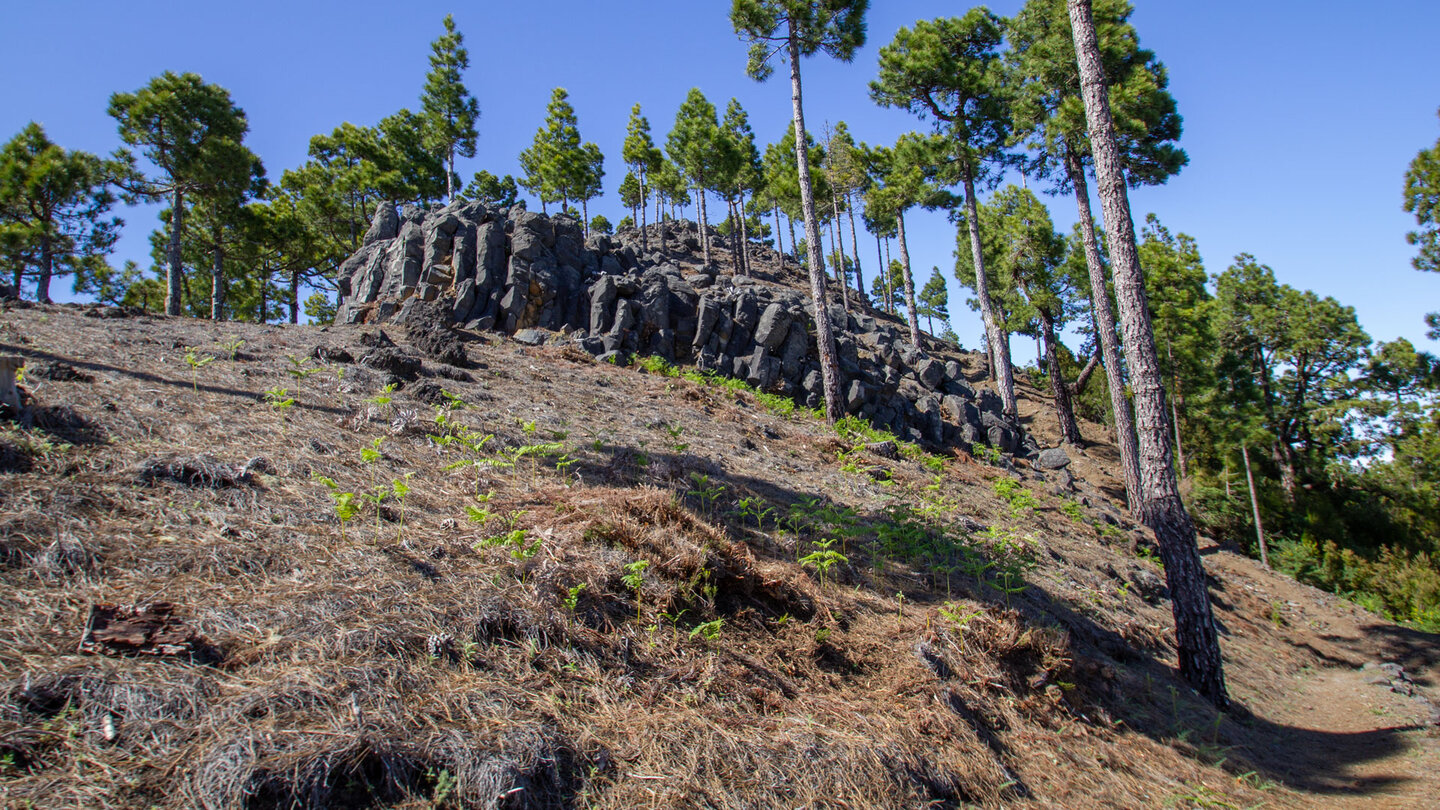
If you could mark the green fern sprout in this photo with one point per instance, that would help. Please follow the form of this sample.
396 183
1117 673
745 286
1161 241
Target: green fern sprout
823 558
709 631
634 579
196 362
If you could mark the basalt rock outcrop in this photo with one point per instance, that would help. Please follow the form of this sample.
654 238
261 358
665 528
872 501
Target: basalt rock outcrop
540 280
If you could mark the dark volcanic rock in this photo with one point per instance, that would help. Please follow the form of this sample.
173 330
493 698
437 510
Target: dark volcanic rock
431 331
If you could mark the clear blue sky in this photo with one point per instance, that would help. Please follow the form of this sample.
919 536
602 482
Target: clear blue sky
1300 115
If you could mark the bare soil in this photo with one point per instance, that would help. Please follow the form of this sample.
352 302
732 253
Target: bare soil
444 649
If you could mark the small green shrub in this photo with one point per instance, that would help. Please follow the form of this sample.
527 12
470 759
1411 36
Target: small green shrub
1021 500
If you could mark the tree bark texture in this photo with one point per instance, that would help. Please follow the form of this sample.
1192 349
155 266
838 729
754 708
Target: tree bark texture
1254 506
1109 340
1198 645
744 239
47 271
174 276
644 243
704 226
1059 391
1000 355
1078 387
294 296
855 248
909 280
824 336
837 247
217 281
779 238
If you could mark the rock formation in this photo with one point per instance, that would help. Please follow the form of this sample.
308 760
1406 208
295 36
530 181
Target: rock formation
537 278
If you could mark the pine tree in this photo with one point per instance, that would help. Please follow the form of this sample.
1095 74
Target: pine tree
1197 642
631 197
904 184
496 192
449 109
1030 259
643 158
350 172
950 70
801 28
558 167
845 169
1422 198
1179 308
934 300
219 225
191 133
700 151
590 174
53 203
1050 119
746 175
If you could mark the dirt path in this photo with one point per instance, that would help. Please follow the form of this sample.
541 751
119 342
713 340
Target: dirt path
1325 719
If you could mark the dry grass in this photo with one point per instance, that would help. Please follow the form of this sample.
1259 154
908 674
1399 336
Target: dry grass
441 661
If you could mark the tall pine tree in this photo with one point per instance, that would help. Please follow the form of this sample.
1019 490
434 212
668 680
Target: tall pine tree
53 206
191 132
449 109
950 70
799 28
1162 510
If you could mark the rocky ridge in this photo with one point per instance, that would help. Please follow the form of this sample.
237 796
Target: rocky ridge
539 279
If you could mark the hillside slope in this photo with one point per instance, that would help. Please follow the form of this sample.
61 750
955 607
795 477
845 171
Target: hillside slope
587 591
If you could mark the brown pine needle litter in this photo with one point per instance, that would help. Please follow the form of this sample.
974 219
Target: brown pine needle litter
483 637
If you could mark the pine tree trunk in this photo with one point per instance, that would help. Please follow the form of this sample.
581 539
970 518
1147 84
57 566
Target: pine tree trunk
735 239
585 217
1284 457
884 271
217 282
175 277
889 277
838 257
1059 391
1109 341
262 313
47 271
1254 506
294 296
910 307
1198 645
998 343
779 242
744 239
841 272
704 226
794 245
864 298
644 246
824 337
1078 387
660 219
450 174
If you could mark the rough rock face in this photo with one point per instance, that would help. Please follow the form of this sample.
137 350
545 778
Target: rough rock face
517 271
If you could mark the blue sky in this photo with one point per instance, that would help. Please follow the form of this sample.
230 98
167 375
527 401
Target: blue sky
1300 116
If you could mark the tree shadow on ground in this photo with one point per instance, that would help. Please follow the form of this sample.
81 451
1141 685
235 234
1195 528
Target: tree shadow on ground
249 396
1148 695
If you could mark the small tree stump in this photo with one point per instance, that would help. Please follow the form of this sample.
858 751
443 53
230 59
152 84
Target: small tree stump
9 394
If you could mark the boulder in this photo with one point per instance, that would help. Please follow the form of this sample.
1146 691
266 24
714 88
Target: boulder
773 327
1052 459
384 225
